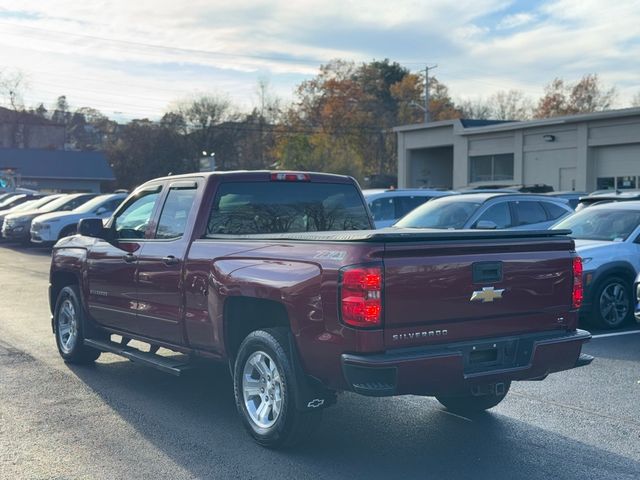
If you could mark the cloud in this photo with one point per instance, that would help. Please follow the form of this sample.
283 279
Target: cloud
516 20
137 57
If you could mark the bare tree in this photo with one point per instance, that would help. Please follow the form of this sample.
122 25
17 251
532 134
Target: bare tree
12 86
510 105
635 102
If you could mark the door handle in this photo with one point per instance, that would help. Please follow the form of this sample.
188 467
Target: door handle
170 260
130 258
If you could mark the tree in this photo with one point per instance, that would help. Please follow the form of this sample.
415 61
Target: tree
144 150
586 95
61 113
635 102
510 105
12 86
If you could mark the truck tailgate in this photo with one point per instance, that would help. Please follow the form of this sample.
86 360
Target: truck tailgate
438 292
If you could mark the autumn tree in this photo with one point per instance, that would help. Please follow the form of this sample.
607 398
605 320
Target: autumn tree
586 95
347 112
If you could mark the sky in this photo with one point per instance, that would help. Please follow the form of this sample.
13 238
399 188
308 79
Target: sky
134 58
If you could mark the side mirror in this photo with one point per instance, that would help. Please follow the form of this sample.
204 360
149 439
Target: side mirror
486 225
92 227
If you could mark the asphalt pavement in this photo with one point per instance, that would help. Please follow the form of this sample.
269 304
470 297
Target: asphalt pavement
117 420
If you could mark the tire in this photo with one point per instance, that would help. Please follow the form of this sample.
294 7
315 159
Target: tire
470 404
612 303
279 423
68 321
68 231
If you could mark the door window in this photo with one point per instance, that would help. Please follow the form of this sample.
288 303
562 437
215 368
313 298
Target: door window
530 212
173 219
131 223
498 214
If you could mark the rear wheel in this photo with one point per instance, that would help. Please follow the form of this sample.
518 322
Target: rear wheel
612 303
265 391
469 403
68 324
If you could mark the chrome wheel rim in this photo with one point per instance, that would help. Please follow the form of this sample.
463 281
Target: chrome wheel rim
67 326
614 304
262 389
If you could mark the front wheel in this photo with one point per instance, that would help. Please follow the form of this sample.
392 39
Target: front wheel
68 321
265 391
469 403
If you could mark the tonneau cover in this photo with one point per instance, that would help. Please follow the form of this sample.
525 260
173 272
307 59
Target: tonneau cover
397 235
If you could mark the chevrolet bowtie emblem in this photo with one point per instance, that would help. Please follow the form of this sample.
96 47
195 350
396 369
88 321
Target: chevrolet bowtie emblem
487 294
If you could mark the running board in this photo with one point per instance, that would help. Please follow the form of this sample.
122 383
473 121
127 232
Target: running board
174 366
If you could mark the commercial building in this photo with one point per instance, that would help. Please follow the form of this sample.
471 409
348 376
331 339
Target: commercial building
56 170
580 152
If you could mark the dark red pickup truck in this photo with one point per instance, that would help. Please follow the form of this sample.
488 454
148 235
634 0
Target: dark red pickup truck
282 276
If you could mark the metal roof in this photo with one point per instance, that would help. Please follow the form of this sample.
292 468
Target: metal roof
56 164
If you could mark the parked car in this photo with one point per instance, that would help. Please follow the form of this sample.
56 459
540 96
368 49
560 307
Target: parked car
636 290
50 227
387 206
15 200
608 197
280 275
572 198
29 205
607 237
17 226
487 211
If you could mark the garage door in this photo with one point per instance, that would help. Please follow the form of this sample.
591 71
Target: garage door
617 166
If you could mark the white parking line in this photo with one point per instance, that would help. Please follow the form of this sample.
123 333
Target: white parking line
616 334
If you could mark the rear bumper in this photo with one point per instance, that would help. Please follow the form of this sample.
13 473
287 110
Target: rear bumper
457 367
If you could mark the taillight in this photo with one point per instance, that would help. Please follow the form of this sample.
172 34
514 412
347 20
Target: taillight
361 296
290 177
577 293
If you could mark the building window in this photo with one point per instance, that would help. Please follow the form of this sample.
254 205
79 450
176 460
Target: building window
491 168
619 183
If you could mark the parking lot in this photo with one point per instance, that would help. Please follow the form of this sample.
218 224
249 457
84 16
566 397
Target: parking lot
119 420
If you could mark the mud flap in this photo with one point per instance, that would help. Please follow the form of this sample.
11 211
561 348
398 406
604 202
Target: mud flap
312 394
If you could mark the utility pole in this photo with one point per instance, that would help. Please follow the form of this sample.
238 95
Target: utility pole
426 91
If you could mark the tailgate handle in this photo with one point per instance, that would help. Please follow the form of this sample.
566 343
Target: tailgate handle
487 272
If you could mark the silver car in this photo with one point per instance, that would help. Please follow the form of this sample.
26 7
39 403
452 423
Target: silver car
607 238
488 211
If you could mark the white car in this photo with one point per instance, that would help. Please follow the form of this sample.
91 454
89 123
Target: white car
51 227
388 206
607 237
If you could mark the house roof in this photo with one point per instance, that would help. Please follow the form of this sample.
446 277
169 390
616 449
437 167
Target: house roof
58 164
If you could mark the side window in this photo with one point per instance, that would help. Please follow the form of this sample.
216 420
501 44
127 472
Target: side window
110 206
405 204
173 219
554 210
530 212
498 214
131 223
383 209
75 203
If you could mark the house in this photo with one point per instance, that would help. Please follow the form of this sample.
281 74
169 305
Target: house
19 129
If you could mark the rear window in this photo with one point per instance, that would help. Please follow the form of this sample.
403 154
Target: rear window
243 208
405 204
